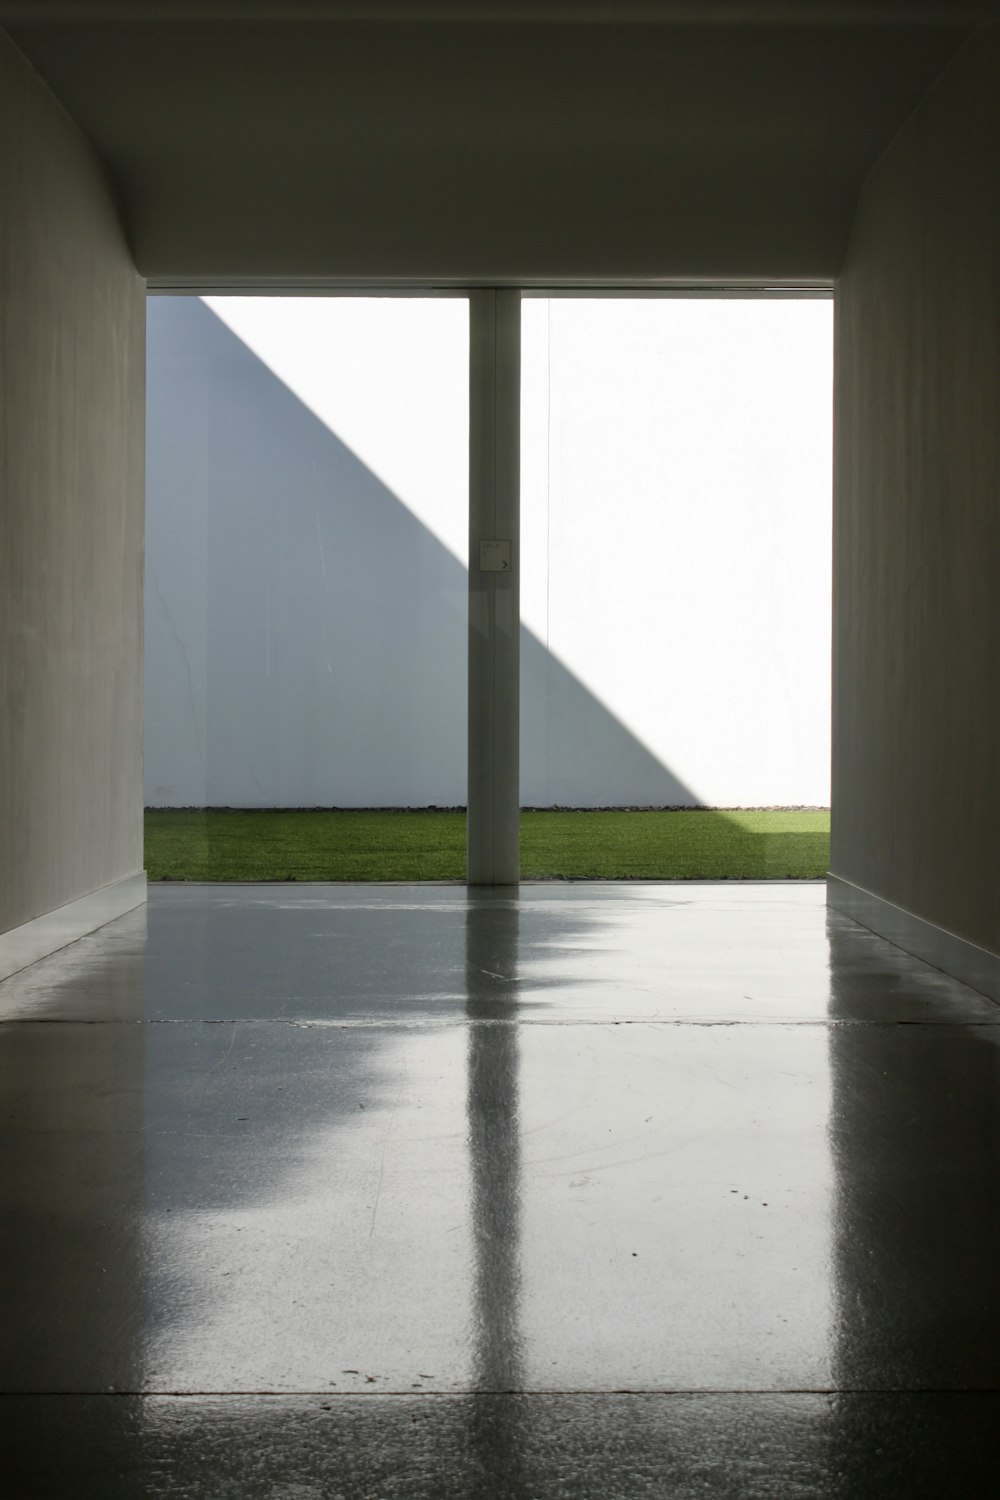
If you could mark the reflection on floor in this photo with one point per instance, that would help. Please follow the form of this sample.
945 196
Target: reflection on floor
600 1190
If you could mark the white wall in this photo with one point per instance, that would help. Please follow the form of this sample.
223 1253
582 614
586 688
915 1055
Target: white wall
676 546
71 393
306 540
917 677
306 612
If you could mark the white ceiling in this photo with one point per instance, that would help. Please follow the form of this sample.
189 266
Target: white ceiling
296 142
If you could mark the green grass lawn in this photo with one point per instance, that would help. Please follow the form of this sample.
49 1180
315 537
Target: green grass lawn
426 845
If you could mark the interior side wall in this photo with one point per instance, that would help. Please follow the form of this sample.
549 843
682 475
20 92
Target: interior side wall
71 486
916 773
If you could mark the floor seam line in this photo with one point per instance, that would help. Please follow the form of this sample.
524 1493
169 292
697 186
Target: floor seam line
459 1393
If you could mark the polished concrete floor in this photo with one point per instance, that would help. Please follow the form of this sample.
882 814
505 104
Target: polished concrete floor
355 1193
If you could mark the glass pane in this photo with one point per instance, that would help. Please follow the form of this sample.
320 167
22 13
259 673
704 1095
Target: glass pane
306 586
676 495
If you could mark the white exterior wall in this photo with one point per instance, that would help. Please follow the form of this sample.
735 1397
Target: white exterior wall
306 542
676 547
306 628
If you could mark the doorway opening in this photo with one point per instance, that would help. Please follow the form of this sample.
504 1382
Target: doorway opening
307 594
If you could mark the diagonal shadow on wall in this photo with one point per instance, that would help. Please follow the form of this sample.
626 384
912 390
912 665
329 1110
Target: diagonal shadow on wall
306 633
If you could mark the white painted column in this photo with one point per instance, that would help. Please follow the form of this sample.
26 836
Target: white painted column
494 593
